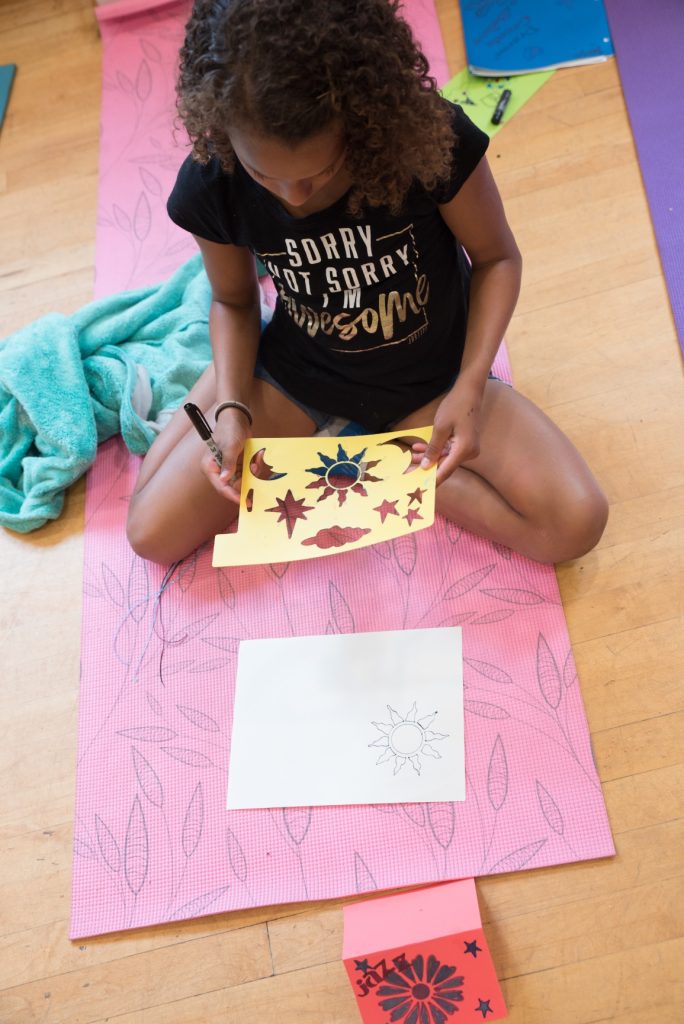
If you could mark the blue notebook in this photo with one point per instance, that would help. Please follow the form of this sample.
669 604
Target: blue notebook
6 76
512 37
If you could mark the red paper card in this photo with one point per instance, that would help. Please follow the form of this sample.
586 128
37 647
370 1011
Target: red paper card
421 958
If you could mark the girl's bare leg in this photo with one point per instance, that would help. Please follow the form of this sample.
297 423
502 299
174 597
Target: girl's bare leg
174 508
529 488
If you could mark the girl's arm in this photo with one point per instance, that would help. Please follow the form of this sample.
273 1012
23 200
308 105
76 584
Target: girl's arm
476 217
234 328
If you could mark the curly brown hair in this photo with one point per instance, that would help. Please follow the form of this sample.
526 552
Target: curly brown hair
289 68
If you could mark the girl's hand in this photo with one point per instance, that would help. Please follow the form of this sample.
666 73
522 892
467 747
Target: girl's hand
230 434
456 431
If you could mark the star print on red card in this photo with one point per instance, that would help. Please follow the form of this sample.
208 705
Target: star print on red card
291 509
388 508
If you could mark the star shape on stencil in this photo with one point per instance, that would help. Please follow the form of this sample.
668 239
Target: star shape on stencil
362 965
388 508
417 495
412 514
472 948
291 509
484 1008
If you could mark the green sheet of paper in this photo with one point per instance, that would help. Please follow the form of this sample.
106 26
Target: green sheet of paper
479 96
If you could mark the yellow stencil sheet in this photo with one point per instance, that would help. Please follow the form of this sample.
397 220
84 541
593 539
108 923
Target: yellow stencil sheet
303 497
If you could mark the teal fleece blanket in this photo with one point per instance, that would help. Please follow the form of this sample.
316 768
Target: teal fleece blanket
68 383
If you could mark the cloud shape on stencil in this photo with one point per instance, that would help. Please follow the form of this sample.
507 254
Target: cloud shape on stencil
336 536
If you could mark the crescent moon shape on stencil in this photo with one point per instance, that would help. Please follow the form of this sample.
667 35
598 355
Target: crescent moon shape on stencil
405 443
261 469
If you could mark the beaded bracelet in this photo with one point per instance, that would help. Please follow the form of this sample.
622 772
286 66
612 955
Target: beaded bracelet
233 405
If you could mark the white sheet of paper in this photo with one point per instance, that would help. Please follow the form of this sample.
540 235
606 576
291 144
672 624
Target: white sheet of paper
314 715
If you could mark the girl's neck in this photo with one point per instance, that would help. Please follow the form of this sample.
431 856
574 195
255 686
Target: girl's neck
325 197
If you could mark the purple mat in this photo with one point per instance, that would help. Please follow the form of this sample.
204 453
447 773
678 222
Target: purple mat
649 46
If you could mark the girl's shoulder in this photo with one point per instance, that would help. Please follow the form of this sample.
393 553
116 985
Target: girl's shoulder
199 200
469 146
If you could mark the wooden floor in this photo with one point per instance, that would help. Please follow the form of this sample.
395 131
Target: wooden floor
593 343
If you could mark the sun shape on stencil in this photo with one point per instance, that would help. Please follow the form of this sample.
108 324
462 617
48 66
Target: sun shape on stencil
291 509
342 474
407 739
421 991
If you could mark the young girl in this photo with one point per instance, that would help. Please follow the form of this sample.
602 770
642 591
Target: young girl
321 145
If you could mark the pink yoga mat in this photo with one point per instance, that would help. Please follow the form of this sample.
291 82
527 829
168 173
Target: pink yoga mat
152 839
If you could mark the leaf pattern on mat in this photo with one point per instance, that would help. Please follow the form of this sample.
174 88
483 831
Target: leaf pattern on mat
457 619
143 81
148 733
125 640
452 532
484 710
224 643
519 858
186 572
197 906
150 181
189 757
279 569
82 849
502 550
238 862
550 809
155 706
340 610
138 588
548 675
483 668
136 849
121 217
109 848
198 718
113 586
383 550
497 775
213 665
489 617
442 821
514 595
148 779
364 880
415 813
569 670
150 50
297 822
192 629
226 588
405 552
466 583
193 824
142 218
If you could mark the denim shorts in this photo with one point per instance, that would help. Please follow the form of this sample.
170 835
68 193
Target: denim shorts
323 419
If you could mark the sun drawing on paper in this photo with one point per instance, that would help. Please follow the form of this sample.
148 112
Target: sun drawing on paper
342 474
406 739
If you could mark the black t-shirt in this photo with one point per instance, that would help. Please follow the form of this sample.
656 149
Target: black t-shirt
371 311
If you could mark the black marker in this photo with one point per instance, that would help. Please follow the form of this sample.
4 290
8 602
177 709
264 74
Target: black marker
501 106
200 424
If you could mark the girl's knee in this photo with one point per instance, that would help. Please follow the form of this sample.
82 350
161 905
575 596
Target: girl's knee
575 527
147 537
